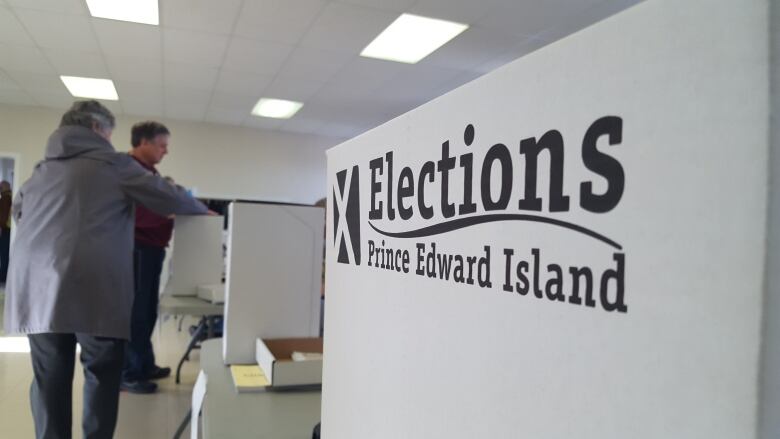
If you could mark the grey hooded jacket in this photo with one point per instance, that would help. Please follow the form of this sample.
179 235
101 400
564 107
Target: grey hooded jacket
72 268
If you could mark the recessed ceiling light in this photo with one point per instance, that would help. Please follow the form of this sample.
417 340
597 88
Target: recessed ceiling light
411 38
90 88
276 108
137 11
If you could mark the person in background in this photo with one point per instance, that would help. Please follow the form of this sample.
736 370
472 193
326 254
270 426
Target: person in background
5 228
152 235
71 277
323 203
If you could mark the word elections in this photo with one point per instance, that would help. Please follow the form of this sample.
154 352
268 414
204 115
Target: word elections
498 158
526 277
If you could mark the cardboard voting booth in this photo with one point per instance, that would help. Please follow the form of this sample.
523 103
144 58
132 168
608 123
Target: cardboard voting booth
197 255
274 275
572 246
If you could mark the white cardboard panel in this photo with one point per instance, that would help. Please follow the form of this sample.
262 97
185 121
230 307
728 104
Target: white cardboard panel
770 380
274 275
413 356
197 254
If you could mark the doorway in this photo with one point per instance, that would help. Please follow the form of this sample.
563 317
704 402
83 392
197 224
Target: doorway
7 189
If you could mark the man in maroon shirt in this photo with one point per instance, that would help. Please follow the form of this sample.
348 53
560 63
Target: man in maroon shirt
152 233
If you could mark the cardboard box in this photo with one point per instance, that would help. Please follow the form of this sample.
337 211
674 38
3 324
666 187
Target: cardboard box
212 293
274 356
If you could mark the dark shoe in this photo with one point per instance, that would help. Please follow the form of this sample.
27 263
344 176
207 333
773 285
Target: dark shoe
142 387
158 373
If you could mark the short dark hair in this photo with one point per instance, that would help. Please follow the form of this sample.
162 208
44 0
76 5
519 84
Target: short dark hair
87 114
146 130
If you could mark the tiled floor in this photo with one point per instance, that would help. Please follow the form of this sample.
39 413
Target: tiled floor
140 416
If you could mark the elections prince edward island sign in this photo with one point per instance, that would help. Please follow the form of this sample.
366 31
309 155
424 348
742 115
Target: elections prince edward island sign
418 212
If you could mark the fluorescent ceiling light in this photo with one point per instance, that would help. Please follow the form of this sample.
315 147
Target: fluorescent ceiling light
411 38
90 88
276 108
137 11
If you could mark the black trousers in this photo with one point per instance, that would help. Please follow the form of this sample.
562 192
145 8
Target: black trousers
51 393
5 247
139 355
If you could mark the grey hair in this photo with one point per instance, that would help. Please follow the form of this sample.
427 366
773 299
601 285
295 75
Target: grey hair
87 114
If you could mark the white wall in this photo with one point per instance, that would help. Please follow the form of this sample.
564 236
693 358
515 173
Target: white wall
220 161
7 169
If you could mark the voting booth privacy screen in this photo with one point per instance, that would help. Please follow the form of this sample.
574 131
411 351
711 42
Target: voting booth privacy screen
572 246
273 275
196 259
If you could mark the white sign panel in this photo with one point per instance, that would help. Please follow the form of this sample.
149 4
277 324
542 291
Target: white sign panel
569 247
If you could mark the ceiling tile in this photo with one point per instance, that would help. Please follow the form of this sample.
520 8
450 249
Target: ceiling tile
461 11
115 108
139 92
193 112
255 56
200 15
531 18
303 125
361 77
233 102
143 108
119 38
11 30
6 83
314 64
190 76
517 51
227 117
72 63
292 89
417 86
242 83
59 31
473 47
346 28
194 47
395 5
74 7
356 112
24 59
586 18
38 82
341 130
15 97
131 69
263 123
61 100
182 96
283 21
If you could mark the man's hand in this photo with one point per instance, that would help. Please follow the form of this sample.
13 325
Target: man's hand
212 213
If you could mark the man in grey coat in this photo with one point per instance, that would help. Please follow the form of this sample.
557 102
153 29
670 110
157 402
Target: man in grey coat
71 277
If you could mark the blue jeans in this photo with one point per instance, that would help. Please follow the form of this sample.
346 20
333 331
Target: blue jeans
139 354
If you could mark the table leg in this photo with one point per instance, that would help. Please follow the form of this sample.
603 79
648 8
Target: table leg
183 424
211 324
193 341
